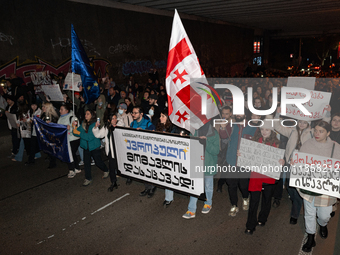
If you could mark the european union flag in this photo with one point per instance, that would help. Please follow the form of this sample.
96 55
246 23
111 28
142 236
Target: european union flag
81 65
52 139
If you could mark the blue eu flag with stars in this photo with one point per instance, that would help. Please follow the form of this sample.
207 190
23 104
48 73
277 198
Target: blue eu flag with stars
81 65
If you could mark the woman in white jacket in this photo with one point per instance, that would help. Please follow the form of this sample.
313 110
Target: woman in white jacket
67 118
297 136
107 133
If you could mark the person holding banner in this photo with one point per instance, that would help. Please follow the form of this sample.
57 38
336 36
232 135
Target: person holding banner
91 146
238 178
297 136
318 206
67 118
140 122
49 115
210 139
260 184
164 125
107 133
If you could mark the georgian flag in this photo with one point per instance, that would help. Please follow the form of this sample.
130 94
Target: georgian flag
186 96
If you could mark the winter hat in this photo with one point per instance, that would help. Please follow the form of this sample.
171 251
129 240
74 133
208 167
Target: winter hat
123 106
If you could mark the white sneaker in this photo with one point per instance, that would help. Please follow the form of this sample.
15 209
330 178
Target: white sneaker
87 182
105 175
81 163
77 171
245 205
93 163
71 174
233 211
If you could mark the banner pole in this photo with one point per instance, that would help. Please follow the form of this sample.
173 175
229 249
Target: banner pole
74 114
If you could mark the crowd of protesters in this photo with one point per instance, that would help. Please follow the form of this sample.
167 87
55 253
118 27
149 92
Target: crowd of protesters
144 106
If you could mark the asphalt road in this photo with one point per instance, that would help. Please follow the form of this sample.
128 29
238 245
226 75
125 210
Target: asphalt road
44 212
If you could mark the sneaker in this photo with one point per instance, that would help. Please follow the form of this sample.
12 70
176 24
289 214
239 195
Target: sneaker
92 163
81 163
71 174
233 211
206 209
189 215
13 159
77 171
87 182
245 205
11 156
105 175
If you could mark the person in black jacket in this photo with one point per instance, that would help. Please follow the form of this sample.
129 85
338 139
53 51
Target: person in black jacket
12 108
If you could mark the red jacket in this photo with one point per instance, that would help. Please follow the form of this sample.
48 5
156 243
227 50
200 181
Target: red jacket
256 179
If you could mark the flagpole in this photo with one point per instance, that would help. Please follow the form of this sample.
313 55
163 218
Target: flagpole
74 114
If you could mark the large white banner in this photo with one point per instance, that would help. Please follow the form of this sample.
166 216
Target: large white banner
316 105
162 159
53 92
260 158
315 173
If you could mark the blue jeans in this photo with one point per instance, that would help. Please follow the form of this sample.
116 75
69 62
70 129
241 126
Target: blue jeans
20 153
311 211
169 195
81 153
209 189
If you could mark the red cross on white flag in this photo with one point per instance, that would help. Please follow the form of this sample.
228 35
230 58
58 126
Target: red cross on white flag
184 95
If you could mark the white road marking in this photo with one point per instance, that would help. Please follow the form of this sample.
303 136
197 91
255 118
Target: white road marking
114 201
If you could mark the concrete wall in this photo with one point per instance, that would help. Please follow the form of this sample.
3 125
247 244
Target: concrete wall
36 35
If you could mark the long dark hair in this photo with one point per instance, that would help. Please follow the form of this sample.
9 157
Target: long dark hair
86 124
167 126
271 140
298 142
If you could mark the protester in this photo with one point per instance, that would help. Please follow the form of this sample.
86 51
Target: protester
224 130
107 133
210 139
124 118
297 136
67 118
335 132
12 108
24 126
49 115
260 184
140 122
91 146
238 179
318 207
164 125
34 148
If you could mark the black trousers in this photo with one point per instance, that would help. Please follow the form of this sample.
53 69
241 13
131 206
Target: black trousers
15 140
113 168
267 193
97 157
278 190
235 180
74 147
34 149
